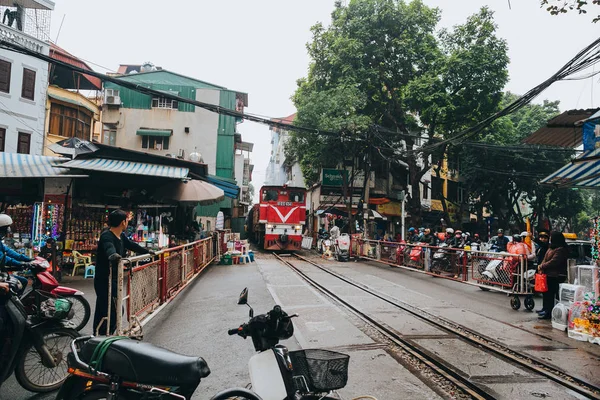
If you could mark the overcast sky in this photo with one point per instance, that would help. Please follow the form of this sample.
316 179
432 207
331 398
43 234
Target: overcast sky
259 47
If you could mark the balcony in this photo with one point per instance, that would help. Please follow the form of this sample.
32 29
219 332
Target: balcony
30 23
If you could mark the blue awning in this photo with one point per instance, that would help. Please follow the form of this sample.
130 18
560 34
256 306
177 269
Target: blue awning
128 167
14 165
583 171
231 190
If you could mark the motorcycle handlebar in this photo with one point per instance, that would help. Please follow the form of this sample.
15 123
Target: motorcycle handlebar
232 332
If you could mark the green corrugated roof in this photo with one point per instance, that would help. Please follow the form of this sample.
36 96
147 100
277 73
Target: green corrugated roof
166 77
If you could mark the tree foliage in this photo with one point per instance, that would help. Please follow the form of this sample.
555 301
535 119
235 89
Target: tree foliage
558 7
383 75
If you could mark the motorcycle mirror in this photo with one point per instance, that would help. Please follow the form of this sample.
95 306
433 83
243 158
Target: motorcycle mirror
243 297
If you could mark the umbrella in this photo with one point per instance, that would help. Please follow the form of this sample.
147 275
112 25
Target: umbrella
73 147
192 191
372 214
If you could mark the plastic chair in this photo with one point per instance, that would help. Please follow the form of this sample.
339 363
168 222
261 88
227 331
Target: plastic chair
90 272
245 256
80 260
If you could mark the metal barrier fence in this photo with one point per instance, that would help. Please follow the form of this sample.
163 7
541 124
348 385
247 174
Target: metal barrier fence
502 272
144 283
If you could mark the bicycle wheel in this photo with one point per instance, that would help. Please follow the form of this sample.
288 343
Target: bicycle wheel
237 394
31 372
81 311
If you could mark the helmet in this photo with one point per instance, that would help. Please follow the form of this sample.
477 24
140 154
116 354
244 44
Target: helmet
450 230
525 234
5 220
458 232
517 238
500 231
476 235
544 234
411 229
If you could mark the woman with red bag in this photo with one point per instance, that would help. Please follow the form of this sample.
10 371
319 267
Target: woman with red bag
554 267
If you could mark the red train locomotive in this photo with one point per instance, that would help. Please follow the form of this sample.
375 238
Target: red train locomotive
277 222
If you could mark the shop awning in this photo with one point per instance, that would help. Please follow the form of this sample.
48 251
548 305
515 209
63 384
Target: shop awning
73 101
231 190
128 167
154 132
583 171
13 165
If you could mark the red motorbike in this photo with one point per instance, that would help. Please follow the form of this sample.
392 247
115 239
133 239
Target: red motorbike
45 286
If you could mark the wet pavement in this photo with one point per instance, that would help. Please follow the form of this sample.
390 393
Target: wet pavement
196 323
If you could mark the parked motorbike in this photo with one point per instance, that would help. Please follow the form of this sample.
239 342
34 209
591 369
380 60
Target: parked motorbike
116 368
323 242
45 286
342 247
34 347
279 374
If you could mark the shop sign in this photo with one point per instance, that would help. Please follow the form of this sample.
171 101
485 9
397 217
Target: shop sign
392 209
336 177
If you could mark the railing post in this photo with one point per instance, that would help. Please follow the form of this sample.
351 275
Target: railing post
162 279
378 251
119 300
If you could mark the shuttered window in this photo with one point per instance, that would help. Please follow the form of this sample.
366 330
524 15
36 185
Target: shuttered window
24 145
2 138
28 90
5 68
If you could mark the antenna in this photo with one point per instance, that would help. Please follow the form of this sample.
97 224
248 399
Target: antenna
60 28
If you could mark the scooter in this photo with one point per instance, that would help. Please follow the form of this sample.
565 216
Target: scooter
33 347
46 286
279 374
342 247
441 260
323 243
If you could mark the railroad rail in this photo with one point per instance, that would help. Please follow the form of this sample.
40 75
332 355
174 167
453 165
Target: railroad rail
463 333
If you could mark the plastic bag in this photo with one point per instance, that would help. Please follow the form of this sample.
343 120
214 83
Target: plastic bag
541 283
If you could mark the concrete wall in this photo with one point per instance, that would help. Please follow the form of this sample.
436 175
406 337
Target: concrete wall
239 169
23 115
203 126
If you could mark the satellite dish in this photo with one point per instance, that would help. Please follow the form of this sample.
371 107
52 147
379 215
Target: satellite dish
196 157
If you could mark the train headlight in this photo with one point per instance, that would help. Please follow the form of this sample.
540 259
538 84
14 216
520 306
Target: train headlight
298 227
269 226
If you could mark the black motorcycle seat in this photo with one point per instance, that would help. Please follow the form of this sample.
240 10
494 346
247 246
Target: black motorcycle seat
148 364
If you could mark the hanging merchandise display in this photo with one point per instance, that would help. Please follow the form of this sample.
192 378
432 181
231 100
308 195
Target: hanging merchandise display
596 240
84 227
47 222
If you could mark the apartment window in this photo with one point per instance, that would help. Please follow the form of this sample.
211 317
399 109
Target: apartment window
28 89
110 137
2 138
24 144
425 190
111 92
155 142
453 191
5 68
70 122
162 102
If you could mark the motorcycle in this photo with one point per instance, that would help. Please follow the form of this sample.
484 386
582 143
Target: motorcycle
116 368
323 242
279 374
342 248
34 347
46 286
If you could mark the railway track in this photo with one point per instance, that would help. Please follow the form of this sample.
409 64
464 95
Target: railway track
466 335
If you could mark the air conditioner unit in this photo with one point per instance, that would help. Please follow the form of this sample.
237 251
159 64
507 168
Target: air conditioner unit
570 293
115 100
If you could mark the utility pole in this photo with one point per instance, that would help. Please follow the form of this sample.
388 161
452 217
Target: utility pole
403 198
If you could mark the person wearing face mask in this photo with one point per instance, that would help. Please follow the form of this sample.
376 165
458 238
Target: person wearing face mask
554 265
542 242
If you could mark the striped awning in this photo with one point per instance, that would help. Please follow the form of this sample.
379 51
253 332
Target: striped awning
231 190
583 171
14 165
128 167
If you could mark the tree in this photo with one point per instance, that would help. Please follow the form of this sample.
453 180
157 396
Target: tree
383 76
557 7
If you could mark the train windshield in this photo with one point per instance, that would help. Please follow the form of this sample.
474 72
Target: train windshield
270 195
297 197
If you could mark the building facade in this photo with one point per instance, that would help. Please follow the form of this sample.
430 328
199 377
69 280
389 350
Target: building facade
281 171
24 79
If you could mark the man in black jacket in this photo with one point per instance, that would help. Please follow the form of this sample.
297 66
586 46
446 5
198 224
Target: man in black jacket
112 246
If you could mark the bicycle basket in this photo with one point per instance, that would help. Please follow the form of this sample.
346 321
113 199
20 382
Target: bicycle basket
55 309
322 370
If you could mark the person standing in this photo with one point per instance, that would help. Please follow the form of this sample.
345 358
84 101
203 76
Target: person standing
112 246
554 266
542 243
